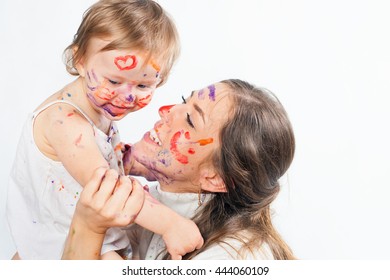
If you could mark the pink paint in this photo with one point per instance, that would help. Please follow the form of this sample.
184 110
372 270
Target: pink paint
127 62
78 140
70 114
175 152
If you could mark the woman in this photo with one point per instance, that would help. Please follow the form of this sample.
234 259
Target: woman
218 158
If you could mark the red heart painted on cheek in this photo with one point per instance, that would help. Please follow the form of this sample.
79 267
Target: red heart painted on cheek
127 62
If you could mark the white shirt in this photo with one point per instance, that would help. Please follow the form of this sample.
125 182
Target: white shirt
42 195
149 245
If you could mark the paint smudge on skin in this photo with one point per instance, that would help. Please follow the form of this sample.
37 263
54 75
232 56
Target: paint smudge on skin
165 109
130 98
89 76
191 151
201 94
177 155
204 142
70 114
69 95
144 101
187 135
59 122
91 88
94 76
78 140
155 66
164 157
212 92
126 62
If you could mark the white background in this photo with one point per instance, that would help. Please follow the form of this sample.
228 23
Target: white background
327 61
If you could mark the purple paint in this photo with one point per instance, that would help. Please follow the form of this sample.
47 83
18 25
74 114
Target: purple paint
91 88
94 76
201 94
212 92
130 98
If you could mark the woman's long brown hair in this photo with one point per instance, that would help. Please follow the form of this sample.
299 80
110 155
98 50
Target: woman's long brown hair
257 148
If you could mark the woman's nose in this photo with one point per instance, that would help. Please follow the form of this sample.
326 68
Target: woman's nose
164 110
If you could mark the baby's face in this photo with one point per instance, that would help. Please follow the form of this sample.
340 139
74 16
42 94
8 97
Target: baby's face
118 81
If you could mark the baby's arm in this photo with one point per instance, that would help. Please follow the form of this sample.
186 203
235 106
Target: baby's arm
62 134
180 235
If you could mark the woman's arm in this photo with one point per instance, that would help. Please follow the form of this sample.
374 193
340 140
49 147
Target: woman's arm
106 201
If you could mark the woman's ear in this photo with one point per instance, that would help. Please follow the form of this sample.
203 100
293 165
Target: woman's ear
211 181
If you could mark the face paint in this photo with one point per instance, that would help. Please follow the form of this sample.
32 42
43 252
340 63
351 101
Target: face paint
144 101
212 92
165 109
204 142
155 66
175 152
164 157
201 94
126 62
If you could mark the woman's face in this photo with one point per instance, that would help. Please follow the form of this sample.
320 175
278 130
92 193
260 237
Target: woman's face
185 137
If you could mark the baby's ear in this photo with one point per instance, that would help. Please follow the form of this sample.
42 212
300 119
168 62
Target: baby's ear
211 181
80 64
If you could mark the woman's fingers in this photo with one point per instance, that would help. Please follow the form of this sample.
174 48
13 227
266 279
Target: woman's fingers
117 200
93 184
135 201
106 189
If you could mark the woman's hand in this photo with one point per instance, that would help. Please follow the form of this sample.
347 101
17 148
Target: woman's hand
107 200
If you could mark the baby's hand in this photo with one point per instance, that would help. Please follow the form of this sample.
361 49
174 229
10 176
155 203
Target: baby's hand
182 238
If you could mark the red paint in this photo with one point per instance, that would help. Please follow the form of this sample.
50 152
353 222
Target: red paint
145 98
191 151
204 142
127 62
165 109
178 156
70 114
187 135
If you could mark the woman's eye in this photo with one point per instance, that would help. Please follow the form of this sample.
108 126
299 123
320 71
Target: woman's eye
113 82
184 100
142 86
190 121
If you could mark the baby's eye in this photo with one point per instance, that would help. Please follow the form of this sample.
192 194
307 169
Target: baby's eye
113 82
142 86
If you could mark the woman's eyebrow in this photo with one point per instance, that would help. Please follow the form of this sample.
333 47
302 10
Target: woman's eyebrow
200 111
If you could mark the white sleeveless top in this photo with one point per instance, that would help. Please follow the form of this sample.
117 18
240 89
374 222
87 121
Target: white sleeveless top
42 195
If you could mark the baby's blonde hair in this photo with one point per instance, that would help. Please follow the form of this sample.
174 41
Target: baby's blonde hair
141 25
